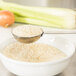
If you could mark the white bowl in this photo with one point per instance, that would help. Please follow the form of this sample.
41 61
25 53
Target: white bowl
43 68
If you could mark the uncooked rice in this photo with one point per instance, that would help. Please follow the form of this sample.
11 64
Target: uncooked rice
27 31
34 52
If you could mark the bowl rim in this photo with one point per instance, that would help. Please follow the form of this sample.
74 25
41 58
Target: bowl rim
40 63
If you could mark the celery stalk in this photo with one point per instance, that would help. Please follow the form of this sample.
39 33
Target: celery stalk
35 22
31 13
61 17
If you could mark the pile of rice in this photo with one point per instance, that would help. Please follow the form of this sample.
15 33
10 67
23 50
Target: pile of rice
34 52
27 31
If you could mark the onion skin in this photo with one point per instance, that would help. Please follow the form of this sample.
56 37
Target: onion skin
6 18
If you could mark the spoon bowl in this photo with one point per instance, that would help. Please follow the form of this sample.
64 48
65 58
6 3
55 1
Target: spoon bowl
27 39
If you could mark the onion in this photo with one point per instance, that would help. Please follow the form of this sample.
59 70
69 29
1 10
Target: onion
6 18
